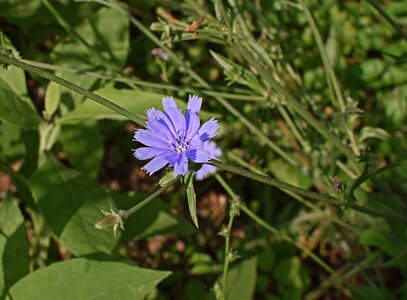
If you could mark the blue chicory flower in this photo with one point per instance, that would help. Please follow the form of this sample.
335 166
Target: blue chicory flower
174 139
206 169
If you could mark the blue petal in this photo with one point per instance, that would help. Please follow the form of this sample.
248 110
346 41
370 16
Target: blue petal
194 104
150 138
159 123
156 164
172 158
192 124
199 156
148 152
207 131
174 114
204 172
181 166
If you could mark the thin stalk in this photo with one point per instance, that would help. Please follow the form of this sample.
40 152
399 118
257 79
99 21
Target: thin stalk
378 213
343 275
154 195
139 82
287 238
274 182
330 73
295 196
308 194
396 26
9 60
227 234
298 107
271 229
305 145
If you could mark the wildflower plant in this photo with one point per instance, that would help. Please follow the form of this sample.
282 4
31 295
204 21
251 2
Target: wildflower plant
296 128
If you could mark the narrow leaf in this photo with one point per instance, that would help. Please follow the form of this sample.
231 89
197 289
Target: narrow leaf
192 198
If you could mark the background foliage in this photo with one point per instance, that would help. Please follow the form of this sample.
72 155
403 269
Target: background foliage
312 93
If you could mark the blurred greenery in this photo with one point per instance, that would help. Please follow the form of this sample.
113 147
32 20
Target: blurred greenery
266 70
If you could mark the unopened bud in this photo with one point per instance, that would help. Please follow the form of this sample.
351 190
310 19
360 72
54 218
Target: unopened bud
111 219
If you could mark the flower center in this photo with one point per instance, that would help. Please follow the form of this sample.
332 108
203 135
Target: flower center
181 144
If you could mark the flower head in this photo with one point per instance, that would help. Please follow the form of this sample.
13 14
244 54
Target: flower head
206 169
161 53
174 139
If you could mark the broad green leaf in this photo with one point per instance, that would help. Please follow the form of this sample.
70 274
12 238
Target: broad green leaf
82 279
13 10
382 239
191 196
14 110
135 101
13 245
293 280
105 42
69 99
84 145
11 146
71 203
241 280
12 76
154 218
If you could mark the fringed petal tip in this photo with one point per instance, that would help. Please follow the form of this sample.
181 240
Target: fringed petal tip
194 104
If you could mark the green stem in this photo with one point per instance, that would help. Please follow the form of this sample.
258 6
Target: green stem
227 235
8 60
136 207
273 230
136 81
297 197
331 77
274 182
396 26
297 106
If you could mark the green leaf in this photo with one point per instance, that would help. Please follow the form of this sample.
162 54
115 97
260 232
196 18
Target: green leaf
52 98
135 101
87 279
191 196
84 145
11 146
381 239
373 132
99 46
154 218
71 203
13 245
241 280
12 76
293 280
14 110
12 10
